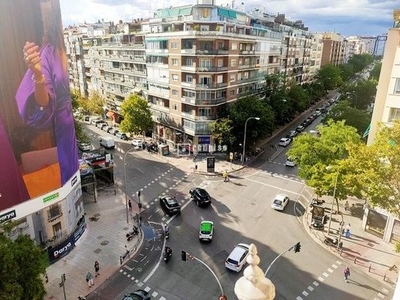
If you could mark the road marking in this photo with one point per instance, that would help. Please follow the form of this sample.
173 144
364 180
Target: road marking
305 293
258 192
385 290
325 274
269 185
338 262
381 295
320 279
130 269
299 298
330 270
334 266
316 283
310 288
140 170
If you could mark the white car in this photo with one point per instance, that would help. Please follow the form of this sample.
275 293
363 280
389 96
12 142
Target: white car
289 162
284 142
137 143
280 202
237 259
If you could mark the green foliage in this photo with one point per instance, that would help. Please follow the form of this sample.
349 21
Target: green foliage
80 133
137 115
329 77
376 71
375 169
300 99
397 247
363 94
247 107
314 155
360 61
222 130
274 87
346 72
353 117
315 91
21 265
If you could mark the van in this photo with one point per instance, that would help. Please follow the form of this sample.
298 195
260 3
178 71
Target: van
107 142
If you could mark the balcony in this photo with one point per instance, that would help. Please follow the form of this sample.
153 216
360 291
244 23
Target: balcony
188 51
212 86
246 52
189 100
197 118
191 68
188 84
211 69
159 107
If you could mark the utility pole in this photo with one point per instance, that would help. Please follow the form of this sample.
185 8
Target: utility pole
62 284
296 247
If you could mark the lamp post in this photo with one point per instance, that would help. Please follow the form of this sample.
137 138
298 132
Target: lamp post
244 139
126 192
334 198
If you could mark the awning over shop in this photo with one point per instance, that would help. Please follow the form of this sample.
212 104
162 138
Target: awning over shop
226 13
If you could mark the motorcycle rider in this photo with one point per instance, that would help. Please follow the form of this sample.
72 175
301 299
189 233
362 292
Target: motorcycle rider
167 251
166 230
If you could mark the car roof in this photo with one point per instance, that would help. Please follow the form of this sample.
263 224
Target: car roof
280 197
206 225
238 251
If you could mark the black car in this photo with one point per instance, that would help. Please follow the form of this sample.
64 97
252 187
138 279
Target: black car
137 295
169 205
201 196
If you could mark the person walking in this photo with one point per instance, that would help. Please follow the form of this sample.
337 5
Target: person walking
346 273
225 175
89 279
347 234
130 204
346 206
96 269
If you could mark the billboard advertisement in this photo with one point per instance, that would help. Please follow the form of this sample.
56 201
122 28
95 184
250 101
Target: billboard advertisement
39 155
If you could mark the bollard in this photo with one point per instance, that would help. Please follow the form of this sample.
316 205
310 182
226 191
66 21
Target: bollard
355 259
369 269
384 277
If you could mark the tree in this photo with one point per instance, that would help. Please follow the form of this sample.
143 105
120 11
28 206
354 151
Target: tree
363 95
353 117
300 100
137 115
376 71
360 61
247 107
21 265
346 72
222 130
375 169
320 157
329 77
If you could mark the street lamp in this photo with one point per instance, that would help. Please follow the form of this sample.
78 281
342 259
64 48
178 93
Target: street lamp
126 192
334 198
244 140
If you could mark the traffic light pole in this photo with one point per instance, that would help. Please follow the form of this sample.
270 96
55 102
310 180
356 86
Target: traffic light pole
297 249
212 272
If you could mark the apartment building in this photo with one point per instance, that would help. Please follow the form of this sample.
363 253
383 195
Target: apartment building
316 55
334 48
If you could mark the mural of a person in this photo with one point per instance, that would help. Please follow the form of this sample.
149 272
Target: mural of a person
44 101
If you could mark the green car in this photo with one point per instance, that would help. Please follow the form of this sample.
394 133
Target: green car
206 231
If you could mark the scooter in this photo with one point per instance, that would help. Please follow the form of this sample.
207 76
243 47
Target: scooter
331 241
317 225
167 254
316 202
130 235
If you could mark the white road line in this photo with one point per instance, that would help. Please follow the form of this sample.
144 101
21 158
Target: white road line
315 283
258 192
330 270
334 266
126 267
154 294
147 289
385 290
299 298
310 288
140 170
325 274
381 295
265 184
338 262
305 293
321 279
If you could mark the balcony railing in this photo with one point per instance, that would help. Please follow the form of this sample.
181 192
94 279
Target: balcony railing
212 69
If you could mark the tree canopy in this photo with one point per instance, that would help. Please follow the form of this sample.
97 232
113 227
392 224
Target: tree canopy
22 265
137 115
221 130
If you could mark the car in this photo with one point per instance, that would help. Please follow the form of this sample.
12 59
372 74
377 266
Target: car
137 143
84 146
280 202
169 205
200 196
300 128
206 231
284 142
116 131
137 295
293 133
106 128
111 130
237 258
121 136
289 162
101 124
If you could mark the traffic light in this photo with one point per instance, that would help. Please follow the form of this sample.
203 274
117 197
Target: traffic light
222 297
297 247
183 255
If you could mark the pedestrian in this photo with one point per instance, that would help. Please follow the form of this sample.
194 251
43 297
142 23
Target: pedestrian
46 277
346 206
195 167
348 231
225 175
89 279
130 204
96 269
346 273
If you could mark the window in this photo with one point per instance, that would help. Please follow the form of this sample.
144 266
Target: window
245 75
232 92
232 78
205 63
175 77
234 46
204 28
189 62
174 62
174 45
174 92
205 81
233 62
397 86
394 114
54 211
189 78
204 112
220 63
57 229
220 78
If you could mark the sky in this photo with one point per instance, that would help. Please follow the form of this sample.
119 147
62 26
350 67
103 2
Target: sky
347 17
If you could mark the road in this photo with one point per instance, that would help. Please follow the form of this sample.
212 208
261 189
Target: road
241 213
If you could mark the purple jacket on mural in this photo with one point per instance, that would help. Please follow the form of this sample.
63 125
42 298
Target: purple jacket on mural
12 186
57 115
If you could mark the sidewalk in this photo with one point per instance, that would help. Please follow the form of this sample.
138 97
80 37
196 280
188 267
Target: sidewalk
104 240
362 250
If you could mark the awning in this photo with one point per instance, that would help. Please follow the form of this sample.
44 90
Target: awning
110 114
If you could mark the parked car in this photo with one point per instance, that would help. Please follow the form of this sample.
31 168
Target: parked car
115 132
284 142
122 136
206 231
289 162
106 128
237 258
101 124
84 146
169 205
112 129
300 128
280 202
293 133
137 143
137 295
200 196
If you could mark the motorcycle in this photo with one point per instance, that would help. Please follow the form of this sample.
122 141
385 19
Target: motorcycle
131 235
317 225
167 254
166 231
316 202
331 241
